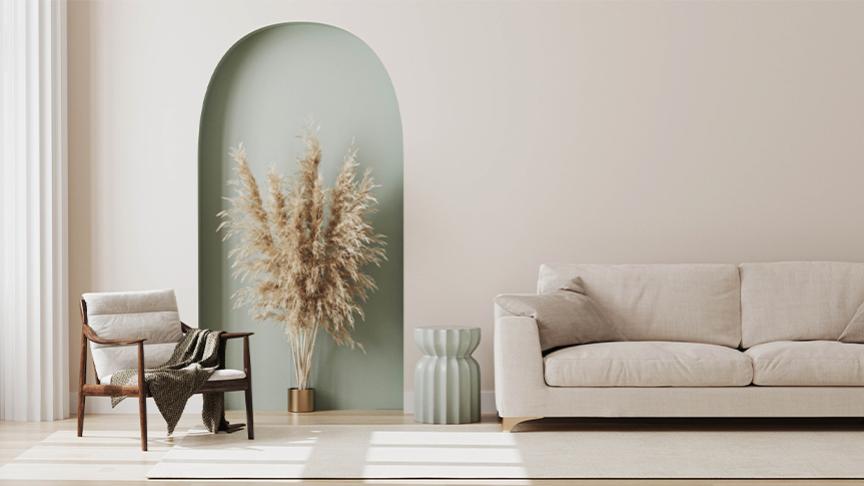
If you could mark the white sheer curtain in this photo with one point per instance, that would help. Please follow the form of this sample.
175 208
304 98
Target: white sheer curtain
34 343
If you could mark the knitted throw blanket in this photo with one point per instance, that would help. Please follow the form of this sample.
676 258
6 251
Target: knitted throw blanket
195 358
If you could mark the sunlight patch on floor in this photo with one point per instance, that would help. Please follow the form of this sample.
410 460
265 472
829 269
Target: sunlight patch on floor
439 453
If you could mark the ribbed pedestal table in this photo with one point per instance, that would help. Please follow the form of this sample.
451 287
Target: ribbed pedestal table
447 378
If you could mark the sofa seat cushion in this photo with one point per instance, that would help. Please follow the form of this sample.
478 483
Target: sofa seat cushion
218 375
808 363
647 364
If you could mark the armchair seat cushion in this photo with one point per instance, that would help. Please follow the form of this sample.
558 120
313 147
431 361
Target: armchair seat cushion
647 364
219 375
808 363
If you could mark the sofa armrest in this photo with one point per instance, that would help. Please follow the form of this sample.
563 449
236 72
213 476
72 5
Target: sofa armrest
519 381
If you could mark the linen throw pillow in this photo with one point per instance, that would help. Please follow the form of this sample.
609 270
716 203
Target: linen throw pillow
565 317
854 332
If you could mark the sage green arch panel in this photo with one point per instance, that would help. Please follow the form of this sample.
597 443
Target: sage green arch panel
264 91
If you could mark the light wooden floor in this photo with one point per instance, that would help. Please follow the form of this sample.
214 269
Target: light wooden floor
16 437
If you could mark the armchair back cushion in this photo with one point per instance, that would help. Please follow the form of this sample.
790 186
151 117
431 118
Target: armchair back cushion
698 303
798 301
151 315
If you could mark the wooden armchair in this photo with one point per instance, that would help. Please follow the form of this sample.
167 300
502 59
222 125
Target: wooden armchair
121 326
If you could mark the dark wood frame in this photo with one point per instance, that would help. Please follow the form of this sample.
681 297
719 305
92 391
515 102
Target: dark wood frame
107 390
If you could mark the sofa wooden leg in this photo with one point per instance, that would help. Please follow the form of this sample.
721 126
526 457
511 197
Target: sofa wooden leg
507 423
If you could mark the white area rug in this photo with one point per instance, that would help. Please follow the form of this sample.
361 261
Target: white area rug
98 456
482 451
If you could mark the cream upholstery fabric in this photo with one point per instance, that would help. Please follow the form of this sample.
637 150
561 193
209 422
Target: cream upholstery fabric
808 363
798 301
218 375
151 315
520 391
648 363
565 317
854 331
697 303
108 359
778 302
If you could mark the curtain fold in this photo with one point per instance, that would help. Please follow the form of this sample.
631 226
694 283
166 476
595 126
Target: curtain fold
34 343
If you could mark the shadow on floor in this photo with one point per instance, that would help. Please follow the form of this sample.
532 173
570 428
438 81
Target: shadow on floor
692 424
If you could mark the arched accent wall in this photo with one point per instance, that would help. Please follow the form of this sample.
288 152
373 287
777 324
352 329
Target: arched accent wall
265 89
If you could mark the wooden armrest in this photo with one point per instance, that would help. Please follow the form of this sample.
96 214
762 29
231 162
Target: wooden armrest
91 335
224 337
232 335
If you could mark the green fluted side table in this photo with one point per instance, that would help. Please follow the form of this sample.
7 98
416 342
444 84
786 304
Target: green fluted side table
447 378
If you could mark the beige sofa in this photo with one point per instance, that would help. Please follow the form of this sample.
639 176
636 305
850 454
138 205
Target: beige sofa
703 340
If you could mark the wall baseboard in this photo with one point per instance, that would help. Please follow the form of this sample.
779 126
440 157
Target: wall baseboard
487 402
98 405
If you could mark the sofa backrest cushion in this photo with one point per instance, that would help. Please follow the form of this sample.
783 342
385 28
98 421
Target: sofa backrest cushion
150 314
854 331
697 303
798 301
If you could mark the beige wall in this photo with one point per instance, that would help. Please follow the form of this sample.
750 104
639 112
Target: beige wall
534 132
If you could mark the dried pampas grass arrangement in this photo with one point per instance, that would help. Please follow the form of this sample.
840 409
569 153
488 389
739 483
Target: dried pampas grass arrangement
301 254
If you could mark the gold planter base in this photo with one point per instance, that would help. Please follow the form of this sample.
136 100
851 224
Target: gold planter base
301 401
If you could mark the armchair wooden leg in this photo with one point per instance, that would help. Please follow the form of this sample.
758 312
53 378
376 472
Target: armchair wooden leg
82 377
142 417
142 396
81 398
508 423
250 420
247 368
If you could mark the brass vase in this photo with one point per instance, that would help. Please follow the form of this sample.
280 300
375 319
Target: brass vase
301 401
